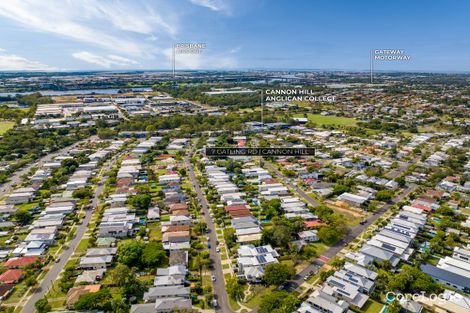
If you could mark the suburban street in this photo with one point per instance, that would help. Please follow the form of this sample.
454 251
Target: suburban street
218 285
350 235
15 178
56 268
291 186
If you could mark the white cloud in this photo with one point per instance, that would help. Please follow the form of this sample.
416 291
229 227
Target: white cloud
235 50
12 62
102 23
214 5
201 61
112 33
108 61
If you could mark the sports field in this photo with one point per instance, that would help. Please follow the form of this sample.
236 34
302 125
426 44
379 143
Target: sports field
330 120
5 125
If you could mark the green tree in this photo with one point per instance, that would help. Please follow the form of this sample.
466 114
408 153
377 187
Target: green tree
106 133
201 262
329 235
278 302
82 193
42 305
153 255
100 300
325 274
277 273
230 237
309 252
142 201
384 195
69 165
337 262
271 207
412 279
339 189
66 280
234 289
23 217
130 253
394 307
120 275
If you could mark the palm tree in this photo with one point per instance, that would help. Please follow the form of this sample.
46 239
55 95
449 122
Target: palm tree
202 262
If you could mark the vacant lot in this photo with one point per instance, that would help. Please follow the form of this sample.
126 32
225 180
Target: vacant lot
329 120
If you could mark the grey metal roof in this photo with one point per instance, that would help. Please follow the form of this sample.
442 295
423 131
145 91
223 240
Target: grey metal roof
442 274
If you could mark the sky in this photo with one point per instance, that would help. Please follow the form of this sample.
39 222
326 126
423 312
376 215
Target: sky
72 35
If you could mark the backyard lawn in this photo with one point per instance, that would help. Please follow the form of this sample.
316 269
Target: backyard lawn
372 307
258 291
155 231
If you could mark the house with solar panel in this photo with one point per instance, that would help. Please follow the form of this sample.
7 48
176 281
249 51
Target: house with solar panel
252 260
349 286
394 242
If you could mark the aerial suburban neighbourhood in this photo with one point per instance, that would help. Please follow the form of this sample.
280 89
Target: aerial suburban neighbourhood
224 156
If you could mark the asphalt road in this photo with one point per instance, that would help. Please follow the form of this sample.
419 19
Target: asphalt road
15 178
56 268
218 285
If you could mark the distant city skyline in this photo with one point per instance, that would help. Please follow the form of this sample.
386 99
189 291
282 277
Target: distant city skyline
87 35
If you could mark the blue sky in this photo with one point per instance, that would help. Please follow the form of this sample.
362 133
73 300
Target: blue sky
239 34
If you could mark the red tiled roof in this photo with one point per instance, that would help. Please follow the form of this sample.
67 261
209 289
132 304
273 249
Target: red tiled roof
180 212
241 143
165 156
178 206
269 181
11 276
422 207
174 228
19 262
230 208
124 182
310 180
435 193
426 199
240 213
